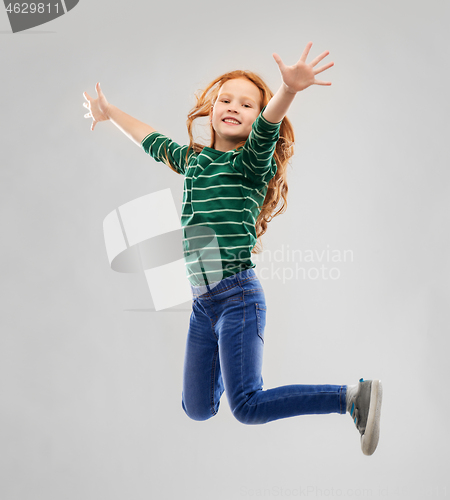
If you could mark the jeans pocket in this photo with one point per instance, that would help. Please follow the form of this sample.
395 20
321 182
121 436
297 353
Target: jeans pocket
261 312
230 294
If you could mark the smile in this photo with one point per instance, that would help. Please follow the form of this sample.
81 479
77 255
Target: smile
232 122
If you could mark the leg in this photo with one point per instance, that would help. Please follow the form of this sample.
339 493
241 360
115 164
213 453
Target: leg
202 379
240 329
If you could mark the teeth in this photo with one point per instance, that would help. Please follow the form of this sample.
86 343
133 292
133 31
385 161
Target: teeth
231 121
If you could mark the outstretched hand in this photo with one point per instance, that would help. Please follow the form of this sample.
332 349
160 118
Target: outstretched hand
301 75
98 108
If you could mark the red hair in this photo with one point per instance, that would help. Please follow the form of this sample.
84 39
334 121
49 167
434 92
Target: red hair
277 188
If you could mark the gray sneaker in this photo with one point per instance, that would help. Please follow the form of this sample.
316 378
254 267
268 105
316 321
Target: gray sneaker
365 411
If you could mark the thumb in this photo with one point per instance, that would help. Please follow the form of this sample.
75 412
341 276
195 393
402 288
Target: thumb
278 60
99 90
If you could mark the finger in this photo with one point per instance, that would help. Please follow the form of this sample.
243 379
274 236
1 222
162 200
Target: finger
86 104
87 96
323 68
305 52
319 58
99 90
87 115
320 82
278 60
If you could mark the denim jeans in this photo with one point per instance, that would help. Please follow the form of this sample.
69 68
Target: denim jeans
224 351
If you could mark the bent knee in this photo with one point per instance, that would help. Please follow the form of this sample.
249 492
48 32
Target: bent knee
247 414
196 412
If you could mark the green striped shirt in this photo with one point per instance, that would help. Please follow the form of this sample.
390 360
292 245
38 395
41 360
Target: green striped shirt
222 198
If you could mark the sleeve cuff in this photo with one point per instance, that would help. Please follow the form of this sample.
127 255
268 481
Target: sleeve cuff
269 126
146 137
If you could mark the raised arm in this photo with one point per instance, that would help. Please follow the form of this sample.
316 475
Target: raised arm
131 127
294 79
101 110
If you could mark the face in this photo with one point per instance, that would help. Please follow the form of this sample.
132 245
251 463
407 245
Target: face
236 108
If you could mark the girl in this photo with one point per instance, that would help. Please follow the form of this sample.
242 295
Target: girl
232 188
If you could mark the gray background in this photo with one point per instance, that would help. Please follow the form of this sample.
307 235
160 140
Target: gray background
90 402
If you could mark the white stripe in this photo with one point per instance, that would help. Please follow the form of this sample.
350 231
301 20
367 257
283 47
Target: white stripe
266 167
221 210
218 236
221 173
212 271
227 198
204 154
260 153
226 222
204 249
225 185
160 146
219 187
224 163
154 132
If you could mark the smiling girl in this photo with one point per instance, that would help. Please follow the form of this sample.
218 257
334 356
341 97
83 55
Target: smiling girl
232 189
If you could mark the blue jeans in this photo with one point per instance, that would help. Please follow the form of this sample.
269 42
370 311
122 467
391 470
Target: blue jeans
224 351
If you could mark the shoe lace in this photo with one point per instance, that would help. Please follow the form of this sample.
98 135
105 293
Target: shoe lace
355 415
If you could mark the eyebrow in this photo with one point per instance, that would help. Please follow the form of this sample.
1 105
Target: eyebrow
244 97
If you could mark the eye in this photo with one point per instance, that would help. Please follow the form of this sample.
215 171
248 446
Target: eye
248 105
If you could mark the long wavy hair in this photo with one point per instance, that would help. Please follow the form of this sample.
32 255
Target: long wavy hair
277 188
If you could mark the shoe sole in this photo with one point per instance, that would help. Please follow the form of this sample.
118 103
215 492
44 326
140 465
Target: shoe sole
369 440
